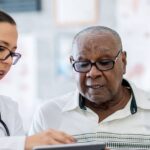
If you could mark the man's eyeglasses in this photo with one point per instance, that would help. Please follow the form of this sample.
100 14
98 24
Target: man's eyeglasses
101 65
5 53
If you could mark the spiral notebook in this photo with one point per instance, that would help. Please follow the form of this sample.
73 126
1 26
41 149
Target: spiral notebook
76 146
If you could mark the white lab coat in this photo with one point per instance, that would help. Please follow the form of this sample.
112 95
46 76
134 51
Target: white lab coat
10 115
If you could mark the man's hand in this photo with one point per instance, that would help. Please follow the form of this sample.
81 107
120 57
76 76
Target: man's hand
48 137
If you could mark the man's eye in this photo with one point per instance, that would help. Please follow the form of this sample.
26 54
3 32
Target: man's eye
84 64
105 62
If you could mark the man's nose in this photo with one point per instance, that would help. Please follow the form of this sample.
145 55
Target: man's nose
94 72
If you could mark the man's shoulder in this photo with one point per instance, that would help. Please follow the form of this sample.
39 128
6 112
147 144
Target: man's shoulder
142 97
142 94
139 92
58 102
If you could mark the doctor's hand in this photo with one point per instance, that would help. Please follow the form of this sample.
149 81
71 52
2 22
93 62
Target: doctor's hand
48 137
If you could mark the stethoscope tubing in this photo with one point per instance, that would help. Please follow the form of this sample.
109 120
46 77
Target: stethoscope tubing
5 126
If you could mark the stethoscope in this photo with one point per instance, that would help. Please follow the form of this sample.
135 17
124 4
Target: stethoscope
133 105
5 126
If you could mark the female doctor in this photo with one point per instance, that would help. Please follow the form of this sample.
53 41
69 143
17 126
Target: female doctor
11 129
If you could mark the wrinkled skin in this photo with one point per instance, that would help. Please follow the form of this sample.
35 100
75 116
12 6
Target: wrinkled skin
101 89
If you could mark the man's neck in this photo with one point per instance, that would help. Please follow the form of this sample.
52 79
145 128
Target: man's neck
106 109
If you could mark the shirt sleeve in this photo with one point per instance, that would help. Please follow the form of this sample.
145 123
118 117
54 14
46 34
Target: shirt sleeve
12 143
48 116
37 123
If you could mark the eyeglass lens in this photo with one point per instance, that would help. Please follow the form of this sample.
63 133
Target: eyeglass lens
5 54
100 65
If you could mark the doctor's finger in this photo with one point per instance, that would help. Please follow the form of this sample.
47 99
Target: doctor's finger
61 136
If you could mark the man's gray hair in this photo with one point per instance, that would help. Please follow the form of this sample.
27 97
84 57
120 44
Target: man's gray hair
96 30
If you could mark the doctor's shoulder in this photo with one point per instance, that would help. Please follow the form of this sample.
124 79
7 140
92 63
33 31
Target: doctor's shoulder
6 103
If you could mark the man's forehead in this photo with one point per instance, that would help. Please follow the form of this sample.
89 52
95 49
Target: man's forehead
95 47
94 36
97 40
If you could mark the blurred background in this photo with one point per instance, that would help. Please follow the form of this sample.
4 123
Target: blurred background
46 29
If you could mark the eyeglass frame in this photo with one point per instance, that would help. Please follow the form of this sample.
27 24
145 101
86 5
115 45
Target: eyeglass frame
94 63
12 54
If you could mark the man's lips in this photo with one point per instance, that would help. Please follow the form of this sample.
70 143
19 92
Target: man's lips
97 86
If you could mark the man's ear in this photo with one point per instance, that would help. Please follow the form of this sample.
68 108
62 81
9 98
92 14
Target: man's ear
71 59
124 61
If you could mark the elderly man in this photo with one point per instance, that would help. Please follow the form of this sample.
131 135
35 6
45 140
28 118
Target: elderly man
104 101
